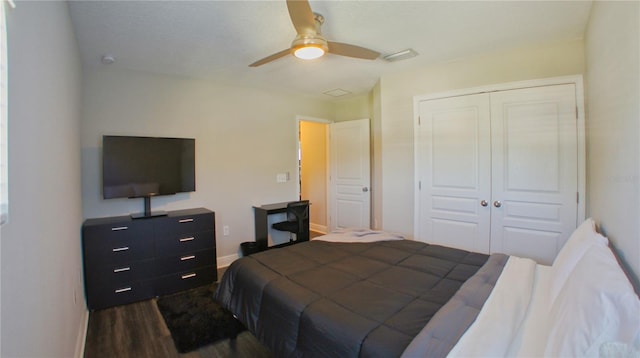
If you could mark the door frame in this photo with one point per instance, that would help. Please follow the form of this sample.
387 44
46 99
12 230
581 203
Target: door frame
328 204
576 80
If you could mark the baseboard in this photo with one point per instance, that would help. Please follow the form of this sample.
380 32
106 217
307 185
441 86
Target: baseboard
225 261
81 340
318 228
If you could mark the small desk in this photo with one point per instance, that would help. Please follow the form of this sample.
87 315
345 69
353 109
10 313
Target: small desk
261 214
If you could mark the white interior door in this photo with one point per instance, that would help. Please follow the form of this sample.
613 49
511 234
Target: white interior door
350 195
454 172
534 164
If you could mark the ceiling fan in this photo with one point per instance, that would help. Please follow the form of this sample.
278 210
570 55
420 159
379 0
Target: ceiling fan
309 43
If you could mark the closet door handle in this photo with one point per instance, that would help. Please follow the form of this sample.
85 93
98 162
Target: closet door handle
497 203
484 203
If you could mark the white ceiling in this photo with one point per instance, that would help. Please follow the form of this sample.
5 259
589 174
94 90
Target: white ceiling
217 40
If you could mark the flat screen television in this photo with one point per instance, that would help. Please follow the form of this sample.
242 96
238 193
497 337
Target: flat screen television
143 167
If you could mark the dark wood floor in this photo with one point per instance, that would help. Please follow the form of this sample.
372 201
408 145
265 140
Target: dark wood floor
137 330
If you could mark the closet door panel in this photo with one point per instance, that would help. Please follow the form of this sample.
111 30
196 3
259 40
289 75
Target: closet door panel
534 170
454 173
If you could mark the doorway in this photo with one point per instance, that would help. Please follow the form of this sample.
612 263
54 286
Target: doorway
312 170
334 173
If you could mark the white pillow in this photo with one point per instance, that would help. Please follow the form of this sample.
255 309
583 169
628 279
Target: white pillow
579 242
597 305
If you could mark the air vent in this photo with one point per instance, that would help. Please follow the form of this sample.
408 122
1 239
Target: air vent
338 92
401 55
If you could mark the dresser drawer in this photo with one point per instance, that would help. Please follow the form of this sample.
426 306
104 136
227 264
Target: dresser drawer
186 262
99 235
104 296
173 225
177 244
185 280
118 273
119 252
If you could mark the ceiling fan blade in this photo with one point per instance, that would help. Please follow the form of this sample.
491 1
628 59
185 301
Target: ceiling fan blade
339 48
301 16
270 58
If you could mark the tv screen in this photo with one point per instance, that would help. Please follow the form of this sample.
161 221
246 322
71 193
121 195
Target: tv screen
135 167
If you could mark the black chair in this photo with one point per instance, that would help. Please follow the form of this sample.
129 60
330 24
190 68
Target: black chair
297 220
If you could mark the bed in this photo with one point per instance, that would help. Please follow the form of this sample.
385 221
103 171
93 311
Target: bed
363 293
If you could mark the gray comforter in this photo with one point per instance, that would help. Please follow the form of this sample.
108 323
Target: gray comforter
324 299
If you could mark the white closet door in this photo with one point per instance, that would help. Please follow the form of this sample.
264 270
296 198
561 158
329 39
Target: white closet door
534 170
454 172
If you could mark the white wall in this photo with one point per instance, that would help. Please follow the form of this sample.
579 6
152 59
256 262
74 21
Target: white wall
244 137
396 110
613 125
43 309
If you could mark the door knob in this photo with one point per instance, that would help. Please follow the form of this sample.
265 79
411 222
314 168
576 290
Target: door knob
484 203
365 189
497 203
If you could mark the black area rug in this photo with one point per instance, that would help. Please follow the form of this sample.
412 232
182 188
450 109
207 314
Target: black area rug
195 319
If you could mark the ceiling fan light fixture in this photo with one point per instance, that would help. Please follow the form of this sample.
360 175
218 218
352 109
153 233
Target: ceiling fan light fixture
309 47
309 52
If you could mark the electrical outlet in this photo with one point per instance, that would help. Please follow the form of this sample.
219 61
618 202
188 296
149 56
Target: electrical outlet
282 177
225 230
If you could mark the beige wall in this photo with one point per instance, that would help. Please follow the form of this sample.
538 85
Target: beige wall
43 309
613 125
244 138
397 117
313 139
358 107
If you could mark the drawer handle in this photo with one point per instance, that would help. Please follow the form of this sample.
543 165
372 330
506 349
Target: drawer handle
118 249
187 239
185 258
122 269
182 221
119 228
189 275
121 290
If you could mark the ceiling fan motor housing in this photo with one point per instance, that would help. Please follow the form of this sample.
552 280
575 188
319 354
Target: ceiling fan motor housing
314 40
311 38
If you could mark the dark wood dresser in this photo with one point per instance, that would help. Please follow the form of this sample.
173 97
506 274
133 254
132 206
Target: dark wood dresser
127 260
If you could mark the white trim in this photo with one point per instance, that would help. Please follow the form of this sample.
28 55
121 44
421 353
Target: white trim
582 151
312 119
300 118
573 79
318 228
416 161
576 80
82 335
225 261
